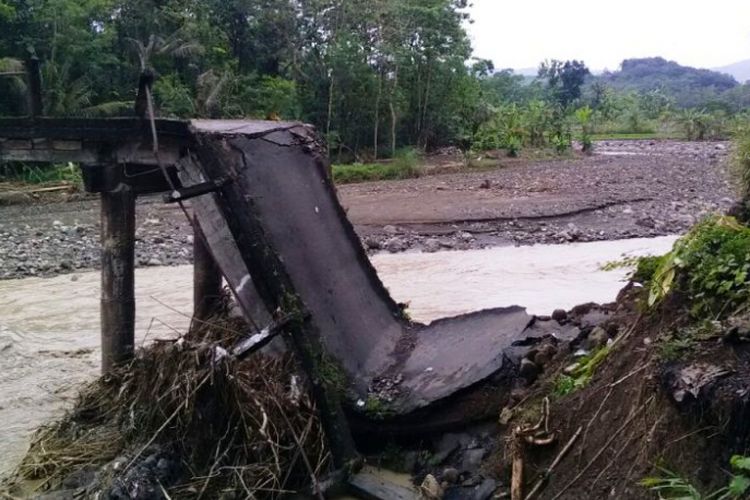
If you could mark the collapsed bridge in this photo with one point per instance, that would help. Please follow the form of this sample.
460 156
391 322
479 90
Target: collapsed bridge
268 221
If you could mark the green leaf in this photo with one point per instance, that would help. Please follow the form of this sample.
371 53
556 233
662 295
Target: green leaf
739 485
740 463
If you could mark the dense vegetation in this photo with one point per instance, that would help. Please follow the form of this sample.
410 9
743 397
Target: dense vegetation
685 86
373 75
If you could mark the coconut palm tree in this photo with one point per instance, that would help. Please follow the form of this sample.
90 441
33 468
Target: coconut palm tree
173 45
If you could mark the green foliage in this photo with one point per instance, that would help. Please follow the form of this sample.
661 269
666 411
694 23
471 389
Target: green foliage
40 174
672 486
687 87
404 166
583 116
173 97
376 75
741 157
564 80
376 408
564 385
581 375
561 142
710 267
646 268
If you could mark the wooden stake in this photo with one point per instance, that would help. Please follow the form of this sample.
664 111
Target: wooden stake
118 280
207 278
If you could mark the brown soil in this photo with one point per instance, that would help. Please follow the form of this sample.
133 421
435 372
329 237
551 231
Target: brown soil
630 419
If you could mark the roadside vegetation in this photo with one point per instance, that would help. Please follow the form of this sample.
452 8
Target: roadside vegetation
670 485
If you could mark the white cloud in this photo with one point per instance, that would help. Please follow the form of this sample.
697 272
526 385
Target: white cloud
522 33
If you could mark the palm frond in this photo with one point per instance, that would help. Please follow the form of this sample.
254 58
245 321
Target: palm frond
108 109
11 65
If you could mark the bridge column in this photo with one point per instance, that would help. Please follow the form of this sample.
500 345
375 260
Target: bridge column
207 277
118 278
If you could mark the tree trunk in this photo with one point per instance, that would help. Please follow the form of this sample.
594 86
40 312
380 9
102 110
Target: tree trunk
377 117
426 101
330 113
394 116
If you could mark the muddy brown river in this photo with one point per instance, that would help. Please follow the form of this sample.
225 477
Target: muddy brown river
49 328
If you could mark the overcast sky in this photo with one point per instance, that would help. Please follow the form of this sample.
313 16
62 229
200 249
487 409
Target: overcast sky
522 33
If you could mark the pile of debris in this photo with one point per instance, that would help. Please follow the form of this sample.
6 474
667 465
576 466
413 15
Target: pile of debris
185 419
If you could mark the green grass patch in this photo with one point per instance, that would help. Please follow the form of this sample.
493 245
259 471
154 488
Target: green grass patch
580 377
41 174
406 165
670 485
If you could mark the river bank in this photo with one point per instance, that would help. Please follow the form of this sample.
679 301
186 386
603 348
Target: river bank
628 189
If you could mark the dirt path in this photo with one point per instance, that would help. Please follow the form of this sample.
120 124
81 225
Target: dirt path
628 189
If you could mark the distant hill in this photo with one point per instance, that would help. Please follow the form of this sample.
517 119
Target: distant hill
688 86
740 70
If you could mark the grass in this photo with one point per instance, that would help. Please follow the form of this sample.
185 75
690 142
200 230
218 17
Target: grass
741 158
581 376
405 165
41 174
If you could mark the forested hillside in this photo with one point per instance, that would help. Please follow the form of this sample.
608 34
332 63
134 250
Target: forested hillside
373 75
689 87
370 73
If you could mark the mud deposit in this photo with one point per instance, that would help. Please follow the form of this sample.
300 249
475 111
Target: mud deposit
49 330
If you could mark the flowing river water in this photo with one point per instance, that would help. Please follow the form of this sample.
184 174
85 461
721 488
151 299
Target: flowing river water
49 328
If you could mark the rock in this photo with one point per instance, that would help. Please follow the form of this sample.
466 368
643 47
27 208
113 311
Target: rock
432 245
431 489
395 245
484 490
410 461
447 445
647 222
689 383
560 315
486 184
465 236
14 198
544 354
597 339
153 262
390 230
528 369
472 459
371 243
571 369
450 475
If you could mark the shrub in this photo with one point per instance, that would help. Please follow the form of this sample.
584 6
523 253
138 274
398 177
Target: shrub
710 267
742 157
405 165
